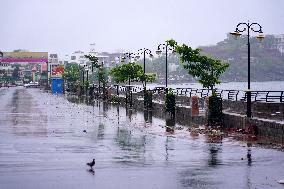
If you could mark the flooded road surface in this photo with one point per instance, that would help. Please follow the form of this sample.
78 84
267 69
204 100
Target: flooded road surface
43 145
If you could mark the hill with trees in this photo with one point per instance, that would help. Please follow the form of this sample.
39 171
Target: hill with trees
267 62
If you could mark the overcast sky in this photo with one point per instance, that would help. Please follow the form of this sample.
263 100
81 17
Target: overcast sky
64 26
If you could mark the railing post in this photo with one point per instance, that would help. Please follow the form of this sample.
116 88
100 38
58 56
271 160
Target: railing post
266 99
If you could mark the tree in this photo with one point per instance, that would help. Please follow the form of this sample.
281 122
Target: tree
127 72
205 69
94 61
15 74
72 76
131 72
103 75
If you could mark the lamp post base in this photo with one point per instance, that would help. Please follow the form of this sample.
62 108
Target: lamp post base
249 104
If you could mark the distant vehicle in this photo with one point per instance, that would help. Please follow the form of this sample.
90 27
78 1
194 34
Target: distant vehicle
31 85
19 83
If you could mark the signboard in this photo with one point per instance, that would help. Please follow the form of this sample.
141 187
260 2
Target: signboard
43 68
57 86
31 57
57 70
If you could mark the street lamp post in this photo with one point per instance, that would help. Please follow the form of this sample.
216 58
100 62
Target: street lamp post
87 70
144 52
83 80
83 71
242 27
128 55
99 76
159 51
47 86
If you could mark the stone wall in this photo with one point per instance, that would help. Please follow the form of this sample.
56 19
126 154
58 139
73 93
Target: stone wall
183 113
259 109
271 130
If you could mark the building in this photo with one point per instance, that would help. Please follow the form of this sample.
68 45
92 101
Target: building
279 42
6 68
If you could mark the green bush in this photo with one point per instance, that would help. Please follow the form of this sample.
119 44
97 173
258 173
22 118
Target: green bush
170 102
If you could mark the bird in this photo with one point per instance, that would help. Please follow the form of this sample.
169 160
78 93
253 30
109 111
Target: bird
92 163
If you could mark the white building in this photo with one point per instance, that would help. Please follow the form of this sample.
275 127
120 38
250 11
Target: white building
6 68
280 42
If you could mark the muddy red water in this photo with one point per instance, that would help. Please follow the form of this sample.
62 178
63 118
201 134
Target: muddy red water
46 141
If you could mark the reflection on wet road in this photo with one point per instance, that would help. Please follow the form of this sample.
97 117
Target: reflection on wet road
46 141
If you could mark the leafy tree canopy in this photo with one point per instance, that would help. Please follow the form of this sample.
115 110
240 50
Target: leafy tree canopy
71 73
125 72
131 71
94 60
207 70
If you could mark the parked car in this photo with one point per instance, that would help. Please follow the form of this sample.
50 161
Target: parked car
31 85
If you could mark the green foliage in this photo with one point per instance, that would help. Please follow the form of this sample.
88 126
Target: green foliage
15 74
171 42
131 71
126 72
148 77
205 69
158 66
94 60
103 75
170 102
115 99
28 78
266 61
71 76
86 84
5 77
71 73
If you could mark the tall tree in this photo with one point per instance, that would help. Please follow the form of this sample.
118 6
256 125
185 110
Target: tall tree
205 69
71 75
15 74
94 61
130 72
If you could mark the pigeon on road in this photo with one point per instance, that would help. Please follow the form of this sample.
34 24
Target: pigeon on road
92 163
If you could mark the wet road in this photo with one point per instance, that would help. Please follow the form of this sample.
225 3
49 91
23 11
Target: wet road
43 145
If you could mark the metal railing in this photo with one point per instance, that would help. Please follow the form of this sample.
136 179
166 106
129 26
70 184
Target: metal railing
233 95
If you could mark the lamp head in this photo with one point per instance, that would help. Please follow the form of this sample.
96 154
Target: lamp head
123 59
158 52
260 37
235 34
